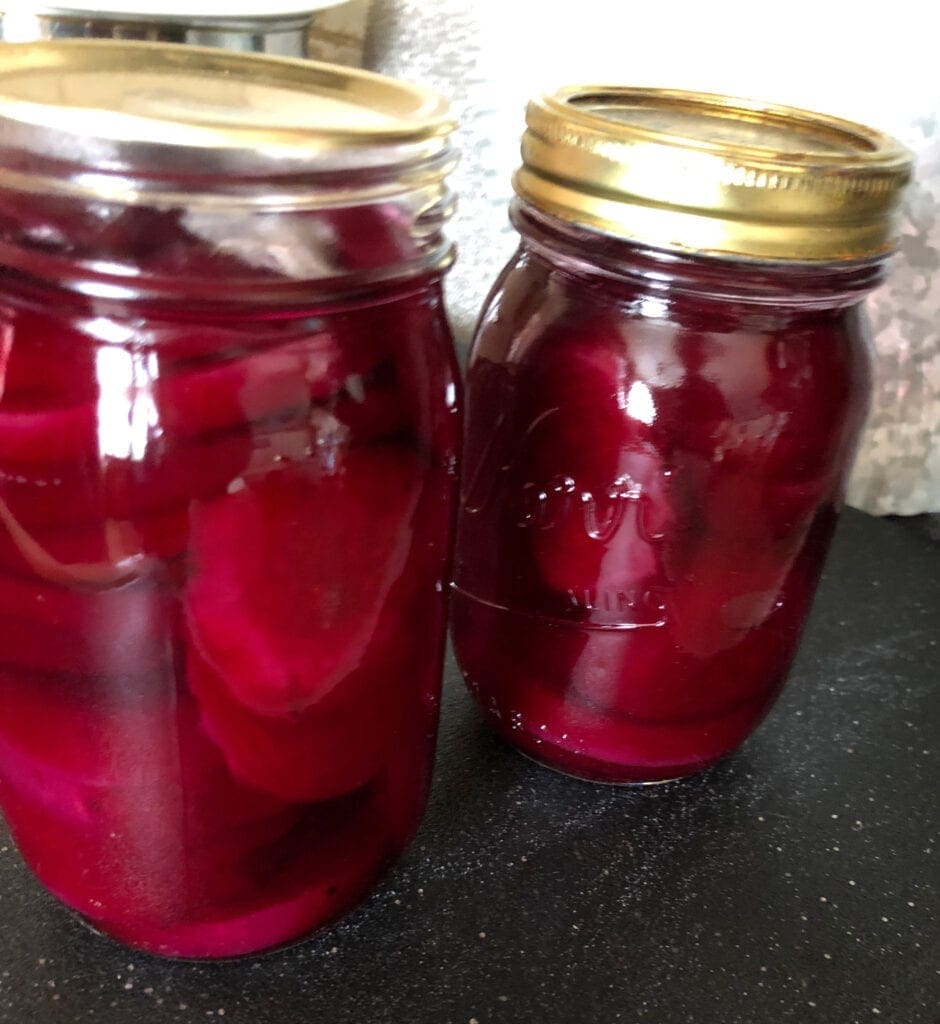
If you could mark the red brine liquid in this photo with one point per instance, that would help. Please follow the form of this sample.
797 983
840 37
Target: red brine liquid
223 548
656 451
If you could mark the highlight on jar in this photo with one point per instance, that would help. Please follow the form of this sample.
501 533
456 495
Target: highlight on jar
664 397
228 436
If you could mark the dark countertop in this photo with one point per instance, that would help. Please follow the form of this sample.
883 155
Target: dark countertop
796 881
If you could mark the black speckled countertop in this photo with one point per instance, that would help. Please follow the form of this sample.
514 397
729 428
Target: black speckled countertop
796 881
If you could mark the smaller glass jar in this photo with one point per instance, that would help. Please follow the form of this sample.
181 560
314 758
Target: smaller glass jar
664 397
228 437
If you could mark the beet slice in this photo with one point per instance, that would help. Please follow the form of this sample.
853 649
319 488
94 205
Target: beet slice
816 377
692 413
367 237
179 858
212 395
375 413
579 740
644 675
96 555
727 589
332 748
360 730
286 886
578 414
556 691
146 825
45 357
165 475
74 731
727 571
173 471
186 403
292 572
416 336
47 384
33 433
67 394
595 494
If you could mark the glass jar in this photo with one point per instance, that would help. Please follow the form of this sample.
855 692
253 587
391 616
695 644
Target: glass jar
664 396
228 434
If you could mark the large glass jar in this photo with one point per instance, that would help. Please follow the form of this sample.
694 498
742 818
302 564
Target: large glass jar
228 432
663 400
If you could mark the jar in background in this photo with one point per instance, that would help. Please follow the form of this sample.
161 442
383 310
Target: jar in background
331 30
663 401
228 434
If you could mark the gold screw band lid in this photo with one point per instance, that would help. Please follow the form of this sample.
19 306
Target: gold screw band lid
710 174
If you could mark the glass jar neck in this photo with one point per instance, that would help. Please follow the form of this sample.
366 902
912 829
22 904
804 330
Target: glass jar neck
628 268
118 232
111 249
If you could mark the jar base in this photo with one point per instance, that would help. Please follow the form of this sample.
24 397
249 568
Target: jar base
616 783
192 949
267 951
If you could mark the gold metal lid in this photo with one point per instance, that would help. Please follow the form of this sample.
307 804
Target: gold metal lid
163 108
715 175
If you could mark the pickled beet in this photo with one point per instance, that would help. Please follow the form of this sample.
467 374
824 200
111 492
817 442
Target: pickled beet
332 748
234 859
101 554
653 465
112 630
284 598
223 538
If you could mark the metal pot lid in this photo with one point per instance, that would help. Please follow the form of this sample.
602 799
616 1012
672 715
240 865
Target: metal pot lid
178 10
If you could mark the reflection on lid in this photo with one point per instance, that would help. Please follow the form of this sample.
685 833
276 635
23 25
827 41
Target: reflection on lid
194 96
716 126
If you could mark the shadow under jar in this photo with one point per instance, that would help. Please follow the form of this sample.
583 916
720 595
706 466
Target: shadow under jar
664 397
228 434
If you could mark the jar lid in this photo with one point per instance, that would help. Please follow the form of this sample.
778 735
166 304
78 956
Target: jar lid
181 111
716 175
